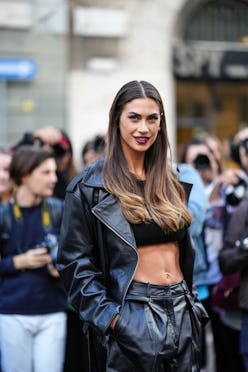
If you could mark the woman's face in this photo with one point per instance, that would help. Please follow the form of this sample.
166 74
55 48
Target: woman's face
139 125
42 180
5 182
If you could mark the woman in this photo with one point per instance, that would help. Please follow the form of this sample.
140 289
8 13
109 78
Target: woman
32 306
93 149
125 255
6 185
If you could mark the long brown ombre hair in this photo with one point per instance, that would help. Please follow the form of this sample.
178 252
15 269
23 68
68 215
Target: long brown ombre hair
164 199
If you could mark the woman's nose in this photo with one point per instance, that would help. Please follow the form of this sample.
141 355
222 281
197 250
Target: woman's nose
3 174
143 126
54 177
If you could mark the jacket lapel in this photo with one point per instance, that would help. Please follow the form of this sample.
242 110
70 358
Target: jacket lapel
108 211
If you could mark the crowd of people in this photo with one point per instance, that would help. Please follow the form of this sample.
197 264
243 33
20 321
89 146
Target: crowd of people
117 266
225 188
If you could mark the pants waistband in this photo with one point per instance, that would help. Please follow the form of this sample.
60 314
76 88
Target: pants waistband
159 291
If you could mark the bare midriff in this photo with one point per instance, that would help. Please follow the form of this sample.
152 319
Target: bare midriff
159 264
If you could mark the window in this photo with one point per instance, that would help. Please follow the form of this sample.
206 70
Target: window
224 20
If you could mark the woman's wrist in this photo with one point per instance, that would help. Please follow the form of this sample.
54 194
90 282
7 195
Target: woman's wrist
19 261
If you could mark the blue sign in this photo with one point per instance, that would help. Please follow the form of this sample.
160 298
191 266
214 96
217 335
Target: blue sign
17 68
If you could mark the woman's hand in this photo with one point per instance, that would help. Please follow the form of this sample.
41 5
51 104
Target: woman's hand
113 323
49 135
52 270
230 177
227 177
32 259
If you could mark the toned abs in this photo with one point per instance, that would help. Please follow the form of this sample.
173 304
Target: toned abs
159 264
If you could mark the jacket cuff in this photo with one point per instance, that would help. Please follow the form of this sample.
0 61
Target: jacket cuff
112 311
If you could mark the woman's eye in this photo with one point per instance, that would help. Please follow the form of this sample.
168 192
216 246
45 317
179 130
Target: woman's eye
133 117
153 119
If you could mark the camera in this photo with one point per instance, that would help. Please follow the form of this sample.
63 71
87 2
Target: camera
58 150
235 193
50 242
242 244
202 162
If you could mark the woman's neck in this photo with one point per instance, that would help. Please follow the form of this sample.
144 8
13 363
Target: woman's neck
5 197
139 174
137 167
25 198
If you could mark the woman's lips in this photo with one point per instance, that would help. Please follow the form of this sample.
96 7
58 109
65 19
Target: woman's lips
141 140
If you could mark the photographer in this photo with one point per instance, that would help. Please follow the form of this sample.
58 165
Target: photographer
234 258
61 146
33 303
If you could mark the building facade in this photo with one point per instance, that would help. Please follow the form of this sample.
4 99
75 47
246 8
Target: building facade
193 51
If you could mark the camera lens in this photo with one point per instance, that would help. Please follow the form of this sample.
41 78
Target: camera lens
245 244
202 162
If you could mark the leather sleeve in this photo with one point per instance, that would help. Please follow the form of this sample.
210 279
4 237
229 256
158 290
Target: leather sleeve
78 264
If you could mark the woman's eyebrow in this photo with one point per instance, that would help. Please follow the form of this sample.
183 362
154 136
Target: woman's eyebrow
155 114
139 115
133 113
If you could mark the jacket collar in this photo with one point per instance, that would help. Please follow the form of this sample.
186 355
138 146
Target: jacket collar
108 211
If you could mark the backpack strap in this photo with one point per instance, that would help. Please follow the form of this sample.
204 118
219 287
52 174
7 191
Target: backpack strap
5 225
54 209
51 216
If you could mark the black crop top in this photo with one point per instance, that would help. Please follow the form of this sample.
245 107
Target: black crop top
150 233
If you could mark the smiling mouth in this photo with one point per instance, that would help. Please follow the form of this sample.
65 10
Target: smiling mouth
141 140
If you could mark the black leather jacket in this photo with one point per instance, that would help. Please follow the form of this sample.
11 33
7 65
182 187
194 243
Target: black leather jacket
97 254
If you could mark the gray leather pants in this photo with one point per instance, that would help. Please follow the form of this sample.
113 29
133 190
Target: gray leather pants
158 330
